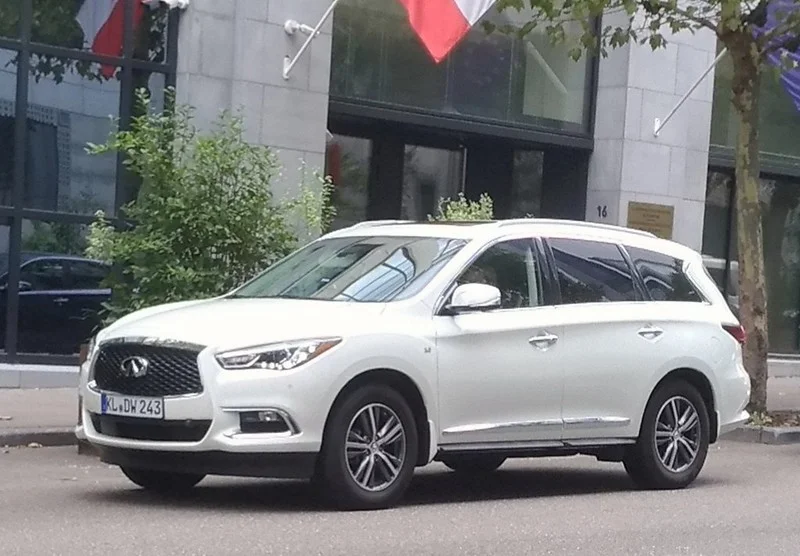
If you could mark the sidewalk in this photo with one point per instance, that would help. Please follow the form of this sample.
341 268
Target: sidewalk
45 416
48 416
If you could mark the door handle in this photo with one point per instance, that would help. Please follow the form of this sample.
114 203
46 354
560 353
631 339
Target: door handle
60 300
543 341
650 332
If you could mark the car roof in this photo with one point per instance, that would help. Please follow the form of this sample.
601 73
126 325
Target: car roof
486 230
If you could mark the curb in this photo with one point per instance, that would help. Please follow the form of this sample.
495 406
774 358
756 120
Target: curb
765 435
57 436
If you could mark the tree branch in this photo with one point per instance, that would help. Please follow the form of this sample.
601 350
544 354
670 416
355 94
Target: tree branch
695 18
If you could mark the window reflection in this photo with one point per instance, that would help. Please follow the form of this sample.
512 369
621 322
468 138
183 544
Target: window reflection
372 269
61 291
347 163
378 57
591 272
428 176
780 212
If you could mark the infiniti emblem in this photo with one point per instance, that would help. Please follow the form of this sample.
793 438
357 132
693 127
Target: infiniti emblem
134 367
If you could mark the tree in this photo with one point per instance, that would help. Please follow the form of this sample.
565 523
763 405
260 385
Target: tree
205 219
755 33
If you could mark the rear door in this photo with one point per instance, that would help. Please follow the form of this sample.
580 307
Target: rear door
613 340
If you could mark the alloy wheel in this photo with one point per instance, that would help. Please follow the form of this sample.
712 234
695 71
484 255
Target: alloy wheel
375 449
677 438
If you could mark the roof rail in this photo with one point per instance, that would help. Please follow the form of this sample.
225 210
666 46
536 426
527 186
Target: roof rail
373 223
577 223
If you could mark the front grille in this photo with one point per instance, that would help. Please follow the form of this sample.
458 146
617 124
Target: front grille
172 371
146 429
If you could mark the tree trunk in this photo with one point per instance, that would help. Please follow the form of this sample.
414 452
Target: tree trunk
752 286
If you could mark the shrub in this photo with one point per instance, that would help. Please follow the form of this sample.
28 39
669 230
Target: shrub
204 220
462 209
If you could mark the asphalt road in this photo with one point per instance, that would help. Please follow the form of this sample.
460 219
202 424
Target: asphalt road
746 501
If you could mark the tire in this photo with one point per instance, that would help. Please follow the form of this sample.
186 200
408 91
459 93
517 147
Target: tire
474 464
358 477
162 482
668 464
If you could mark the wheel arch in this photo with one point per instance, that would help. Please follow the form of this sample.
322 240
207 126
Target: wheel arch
410 391
700 381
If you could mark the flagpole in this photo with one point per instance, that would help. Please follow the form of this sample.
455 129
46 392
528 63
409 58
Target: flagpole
291 26
659 124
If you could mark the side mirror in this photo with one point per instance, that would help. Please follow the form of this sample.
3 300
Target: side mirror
473 297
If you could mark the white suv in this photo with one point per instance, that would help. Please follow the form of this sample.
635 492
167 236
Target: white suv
382 347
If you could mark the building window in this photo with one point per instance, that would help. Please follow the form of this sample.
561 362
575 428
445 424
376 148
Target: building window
779 119
81 72
780 211
377 58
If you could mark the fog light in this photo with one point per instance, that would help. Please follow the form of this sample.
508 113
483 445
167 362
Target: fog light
269 417
266 421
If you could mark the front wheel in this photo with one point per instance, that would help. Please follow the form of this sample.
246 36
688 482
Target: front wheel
673 441
369 451
162 482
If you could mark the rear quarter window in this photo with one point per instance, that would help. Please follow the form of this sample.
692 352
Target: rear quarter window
663 276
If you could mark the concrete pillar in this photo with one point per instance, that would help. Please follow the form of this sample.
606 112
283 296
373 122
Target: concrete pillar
637 85
230 56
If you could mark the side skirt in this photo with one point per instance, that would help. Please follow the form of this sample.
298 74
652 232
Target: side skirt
604 449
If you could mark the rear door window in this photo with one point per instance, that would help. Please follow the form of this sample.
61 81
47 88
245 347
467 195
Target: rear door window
88 275
663 276
592 272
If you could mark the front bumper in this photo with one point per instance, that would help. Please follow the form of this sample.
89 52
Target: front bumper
303 397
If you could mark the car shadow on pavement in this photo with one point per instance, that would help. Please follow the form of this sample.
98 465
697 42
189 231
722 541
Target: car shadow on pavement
428 488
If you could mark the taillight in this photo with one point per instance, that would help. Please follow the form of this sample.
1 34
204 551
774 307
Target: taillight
737 331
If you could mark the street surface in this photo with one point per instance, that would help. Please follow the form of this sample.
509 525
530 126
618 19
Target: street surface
746 501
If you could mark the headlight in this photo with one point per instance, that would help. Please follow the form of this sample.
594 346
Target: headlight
278 357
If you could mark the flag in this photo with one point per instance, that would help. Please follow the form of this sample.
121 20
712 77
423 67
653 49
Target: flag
777 13
102 22
441 24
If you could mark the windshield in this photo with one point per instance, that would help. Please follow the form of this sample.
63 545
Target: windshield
362 269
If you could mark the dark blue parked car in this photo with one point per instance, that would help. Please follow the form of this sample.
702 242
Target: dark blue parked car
59 301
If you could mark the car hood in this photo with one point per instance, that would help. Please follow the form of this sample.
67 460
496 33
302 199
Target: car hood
232 323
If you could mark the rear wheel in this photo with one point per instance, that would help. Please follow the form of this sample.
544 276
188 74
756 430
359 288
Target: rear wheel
673 440
369 451
474 464
162 482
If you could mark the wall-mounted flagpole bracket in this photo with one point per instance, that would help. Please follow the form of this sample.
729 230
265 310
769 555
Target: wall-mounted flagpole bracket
292 26
659 124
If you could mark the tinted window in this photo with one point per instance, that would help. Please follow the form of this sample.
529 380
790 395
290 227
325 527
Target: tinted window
44 274
511 267
592 272
87 275
663 276
365 269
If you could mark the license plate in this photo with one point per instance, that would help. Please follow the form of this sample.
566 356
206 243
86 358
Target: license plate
131 406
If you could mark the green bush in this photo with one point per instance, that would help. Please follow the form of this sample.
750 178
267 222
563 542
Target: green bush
204 220
462 209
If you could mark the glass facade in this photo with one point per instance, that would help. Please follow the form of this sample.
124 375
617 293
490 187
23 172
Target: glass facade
377 58
67 75
779 119
780 206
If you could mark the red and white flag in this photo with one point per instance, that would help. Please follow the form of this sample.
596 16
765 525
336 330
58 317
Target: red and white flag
441 24
102 22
